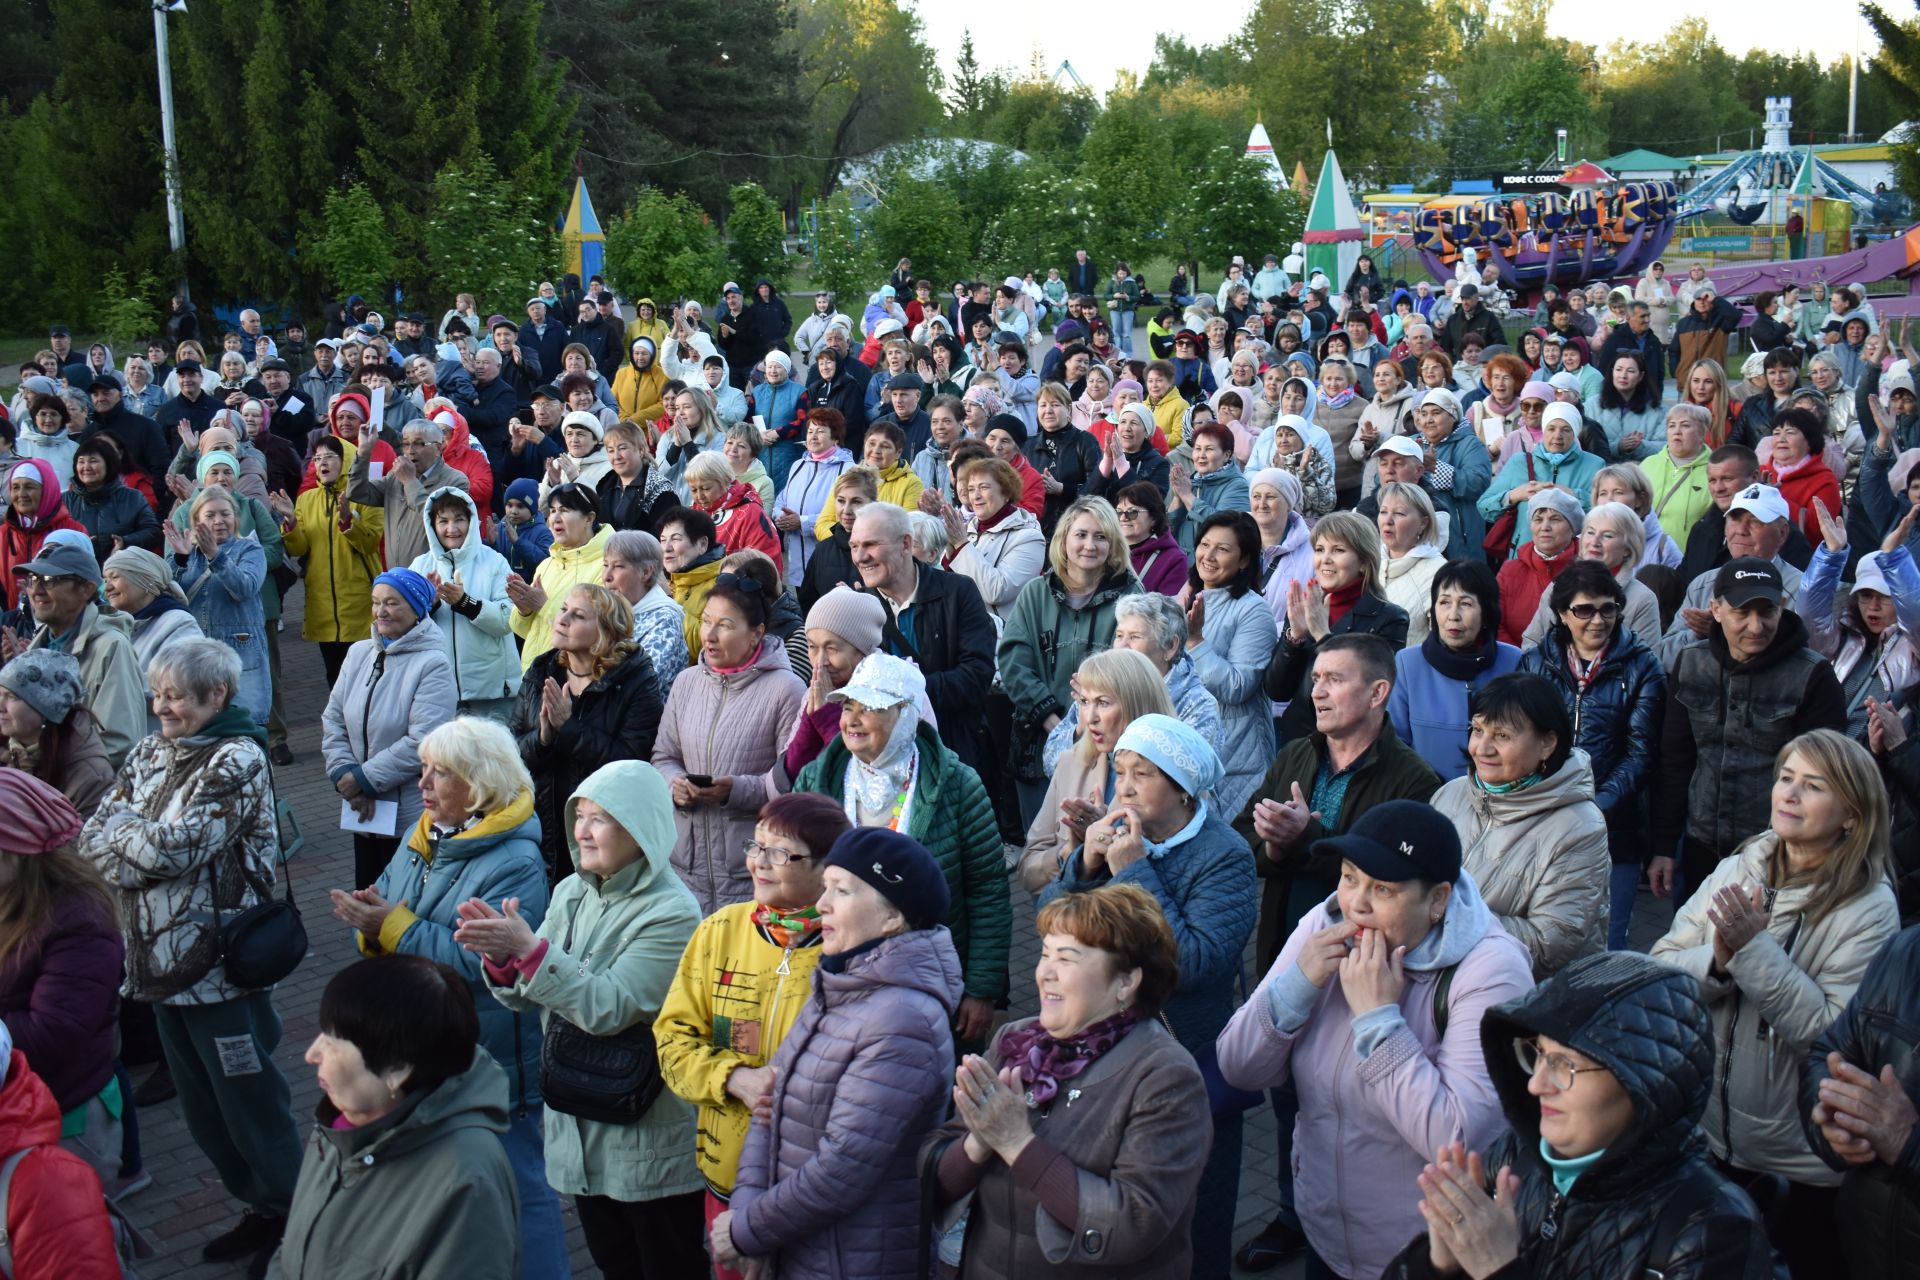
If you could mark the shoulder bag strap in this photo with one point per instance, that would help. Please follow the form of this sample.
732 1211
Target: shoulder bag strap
1442 988
6 1191
1683 1203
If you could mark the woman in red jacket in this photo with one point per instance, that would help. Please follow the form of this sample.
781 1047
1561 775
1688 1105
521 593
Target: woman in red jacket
35 509
1799 471
56 1217
739 521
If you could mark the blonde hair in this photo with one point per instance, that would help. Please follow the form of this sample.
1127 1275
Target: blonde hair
1627 523
1130 676
858 477
1859 861
1363 539
1631 475
1055 392
1118 555
711 467
1416 497
481 753
212 493
615 618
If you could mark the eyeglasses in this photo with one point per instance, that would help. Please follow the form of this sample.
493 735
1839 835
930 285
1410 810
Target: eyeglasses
49 580
772 854
1585 612
1561 1072
1127 513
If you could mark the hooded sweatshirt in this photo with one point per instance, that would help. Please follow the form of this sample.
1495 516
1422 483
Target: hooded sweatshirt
476 632
23 536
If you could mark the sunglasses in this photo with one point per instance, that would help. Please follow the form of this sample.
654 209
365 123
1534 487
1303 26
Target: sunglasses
1607 611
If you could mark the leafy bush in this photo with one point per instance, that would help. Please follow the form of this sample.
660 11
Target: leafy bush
1040 223
355 247
842 261
665 248
756 236
918 219
1232 207
485 238
127 313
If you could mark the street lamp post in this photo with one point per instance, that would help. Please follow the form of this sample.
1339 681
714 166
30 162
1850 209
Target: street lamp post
176 217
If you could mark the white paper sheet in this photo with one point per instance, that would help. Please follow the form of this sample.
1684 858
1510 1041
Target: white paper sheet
384 822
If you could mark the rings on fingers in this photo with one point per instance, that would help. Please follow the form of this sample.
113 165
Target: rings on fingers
1458 1217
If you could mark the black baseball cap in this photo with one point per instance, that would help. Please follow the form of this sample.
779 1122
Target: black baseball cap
1398 841
103 382
187 366
58 331
548 391
1741 582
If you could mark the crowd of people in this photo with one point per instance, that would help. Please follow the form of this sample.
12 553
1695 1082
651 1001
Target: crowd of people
706 690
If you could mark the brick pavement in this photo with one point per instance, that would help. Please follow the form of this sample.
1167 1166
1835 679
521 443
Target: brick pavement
186 1204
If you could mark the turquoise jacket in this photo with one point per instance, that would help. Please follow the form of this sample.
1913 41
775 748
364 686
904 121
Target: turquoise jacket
1575 474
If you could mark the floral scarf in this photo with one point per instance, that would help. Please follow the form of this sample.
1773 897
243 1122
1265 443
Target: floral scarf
787 928
1043 1062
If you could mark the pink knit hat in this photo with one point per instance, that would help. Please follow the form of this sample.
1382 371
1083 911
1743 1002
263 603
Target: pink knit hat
39 819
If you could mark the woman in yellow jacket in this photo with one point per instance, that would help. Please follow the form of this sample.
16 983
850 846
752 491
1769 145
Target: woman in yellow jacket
743 980
637 384
341 541
646 323
885 452
579 546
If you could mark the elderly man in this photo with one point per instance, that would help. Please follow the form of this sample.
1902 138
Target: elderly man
520 366
413 337
403 490
1636 335
544 335
61 586
293 417
1318 786
327 379
1757 524
1398 460
495 404
935 618
139 438
252 336
1734 698
1418 340
1730 469
1470 317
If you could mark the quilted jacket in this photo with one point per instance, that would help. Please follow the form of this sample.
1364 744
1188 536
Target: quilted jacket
952 816
1647 1024
1239 639
829 1181
1879 1215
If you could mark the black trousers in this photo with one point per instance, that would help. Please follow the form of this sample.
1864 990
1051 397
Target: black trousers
371 854
333 654
1803 1226
661 1239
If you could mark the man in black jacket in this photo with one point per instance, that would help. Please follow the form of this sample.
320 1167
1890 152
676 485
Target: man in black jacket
139 437
1470 317
414 340
543 335
1083 276
1636 335
937 619
191 406
601 331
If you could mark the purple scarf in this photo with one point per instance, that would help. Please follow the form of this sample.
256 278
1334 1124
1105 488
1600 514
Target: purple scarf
1043 1062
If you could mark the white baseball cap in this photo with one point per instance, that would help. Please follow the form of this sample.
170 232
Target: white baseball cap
1402 445
1761 501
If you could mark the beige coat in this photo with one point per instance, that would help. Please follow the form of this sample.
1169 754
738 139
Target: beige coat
1787 986
1540 859
1047 840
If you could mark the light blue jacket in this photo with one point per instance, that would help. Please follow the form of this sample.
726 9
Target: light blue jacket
1231 662
1429 710
1222 490
224 597
1619 423
1575 475
481 648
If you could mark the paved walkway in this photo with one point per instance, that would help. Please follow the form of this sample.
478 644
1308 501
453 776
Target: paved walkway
186 1205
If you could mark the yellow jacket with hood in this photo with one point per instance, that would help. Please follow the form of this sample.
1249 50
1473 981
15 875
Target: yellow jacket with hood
341 567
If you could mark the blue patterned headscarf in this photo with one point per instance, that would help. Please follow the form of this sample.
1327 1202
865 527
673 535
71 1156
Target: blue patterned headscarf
1176 750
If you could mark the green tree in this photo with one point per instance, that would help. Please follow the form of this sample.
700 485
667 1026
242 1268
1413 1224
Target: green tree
1233 206
353 245
1130 178
968 101
756 235
1042 119
486 236
918 220
1676 94
1041 222
842 261
867 79
126 311
693 97
1895 72
664 248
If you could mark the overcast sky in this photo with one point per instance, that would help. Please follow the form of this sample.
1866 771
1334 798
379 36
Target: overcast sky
1101 39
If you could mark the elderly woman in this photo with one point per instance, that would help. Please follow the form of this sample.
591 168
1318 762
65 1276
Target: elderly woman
634 491
394 688
186 837
725 721
828 1170
1111 690
1372 1010
140 586
1001 547
1345 595
1614 688
1230 638
34 510
890 769
1436 680
1780 934
1059 619
1612 536
1133 1151
1677 475
1868 634
1411 539
598 967
583 456
632 566
1536 842
1128 455
590 699
1798 469
1286 552
1627 483
1161 832
476 837
579 542
1555 517
340 541
221 573
740 523
1158 560
409 1107
144 396
715 1042
1603 1072
1557 462
1216 484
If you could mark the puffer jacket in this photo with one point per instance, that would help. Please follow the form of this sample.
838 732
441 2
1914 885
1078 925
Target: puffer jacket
1783 989
952 817
114 510
564 569
1221 490
341 567
1878 1215
1370 1120
1238 641
829 1181
1539 856
498 857
385 701
740 523
21 541
725 726
612 948
710 1025
1524 580
57 1225
1647 1024
60 997
178 805
478 635
1002 560
428 1191
614 718
1045 639
1456 485
1882 667
1617 720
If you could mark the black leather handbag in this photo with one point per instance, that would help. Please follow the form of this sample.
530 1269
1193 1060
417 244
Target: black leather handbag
613 1079
264 943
